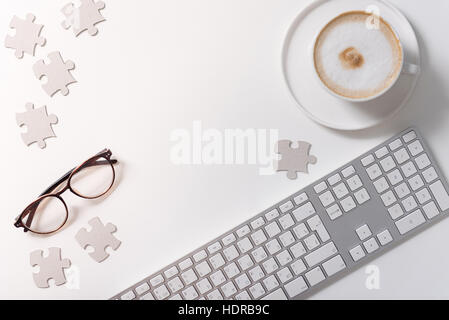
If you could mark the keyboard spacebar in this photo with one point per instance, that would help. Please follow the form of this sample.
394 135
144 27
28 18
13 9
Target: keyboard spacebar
440 195
276 295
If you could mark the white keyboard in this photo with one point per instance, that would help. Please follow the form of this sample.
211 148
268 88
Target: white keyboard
292 249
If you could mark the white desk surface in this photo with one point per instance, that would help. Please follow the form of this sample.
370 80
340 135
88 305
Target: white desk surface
157 66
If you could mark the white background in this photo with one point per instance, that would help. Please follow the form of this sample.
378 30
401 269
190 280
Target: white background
156 66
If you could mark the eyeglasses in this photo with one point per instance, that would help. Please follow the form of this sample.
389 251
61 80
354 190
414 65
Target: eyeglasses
91 180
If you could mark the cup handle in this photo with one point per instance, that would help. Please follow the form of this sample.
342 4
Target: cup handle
410 68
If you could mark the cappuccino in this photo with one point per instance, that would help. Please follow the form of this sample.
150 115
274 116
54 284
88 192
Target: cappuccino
357 57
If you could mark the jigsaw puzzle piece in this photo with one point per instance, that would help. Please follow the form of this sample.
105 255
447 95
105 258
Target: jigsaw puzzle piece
82 18
50 267
99 237
294 160
57 73
27 36
38 123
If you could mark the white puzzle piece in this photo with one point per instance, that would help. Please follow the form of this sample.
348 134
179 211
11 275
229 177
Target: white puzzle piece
50 267
294 160
27 36
84 17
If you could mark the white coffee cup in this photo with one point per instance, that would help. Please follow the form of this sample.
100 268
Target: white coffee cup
400 68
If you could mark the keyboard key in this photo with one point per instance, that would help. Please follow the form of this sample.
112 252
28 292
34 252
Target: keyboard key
200 256
276 295
355 183
285 275
144 287
231 270
296 287
422 161
396 211
301 198
334 179
243 296
215 295
423 196
357 253
217 261
259 254
147 296
409 169
348 204
368 160
175 285
382 152
301 231
349 171
341 190
287 238
321 254
388 198
410 222
203 269
273 246
395 177
381 185
415 148
286 221
256 273
130 295
242 281
270 266
273 214
284 258
272 229
157 280
243 231
388 164
384 237
440 194
311 242
320 187
286 206
396 144
327 198
402 190
315 276
430 175
416 182
334 265
409 136
334 212
228 289
190 293
187 263
214 247
374 171
363 232
362 196
401 156
245 262
298 250
409 204
271 283
228 239
257 223
175 297
371 245
298 267
258 237
217 278
189 277
315 224
431 210
161 292
304 212
244 245
257 291
230 253
171 272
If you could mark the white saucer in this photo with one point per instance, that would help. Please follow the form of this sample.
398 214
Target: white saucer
312 98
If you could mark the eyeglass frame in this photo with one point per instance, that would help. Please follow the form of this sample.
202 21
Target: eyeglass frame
30 210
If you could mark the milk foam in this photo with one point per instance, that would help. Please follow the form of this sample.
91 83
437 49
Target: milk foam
381 52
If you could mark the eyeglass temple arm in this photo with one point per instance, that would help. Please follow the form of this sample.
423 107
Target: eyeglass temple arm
61 180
